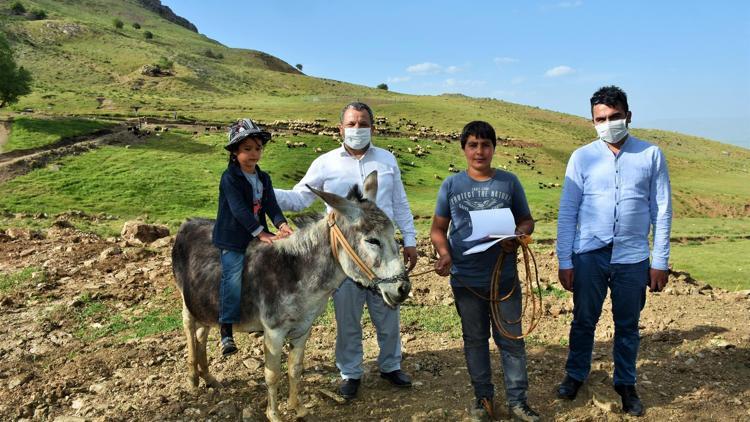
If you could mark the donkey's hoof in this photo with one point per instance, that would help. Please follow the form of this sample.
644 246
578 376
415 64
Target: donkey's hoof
301 412
191 383
273 416
213 383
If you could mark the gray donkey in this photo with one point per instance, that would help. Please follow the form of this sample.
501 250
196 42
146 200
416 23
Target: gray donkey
286 285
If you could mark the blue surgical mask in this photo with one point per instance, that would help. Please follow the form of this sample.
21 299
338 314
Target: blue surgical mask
357 138
612 131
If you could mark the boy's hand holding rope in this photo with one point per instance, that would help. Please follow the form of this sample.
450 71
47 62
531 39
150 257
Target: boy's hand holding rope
443 264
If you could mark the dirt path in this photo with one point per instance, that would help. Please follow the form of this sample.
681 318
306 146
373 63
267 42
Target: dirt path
59 359
19 162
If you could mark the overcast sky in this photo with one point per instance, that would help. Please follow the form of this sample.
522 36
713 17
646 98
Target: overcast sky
684 64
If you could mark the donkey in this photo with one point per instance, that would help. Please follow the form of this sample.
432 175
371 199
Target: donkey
286 285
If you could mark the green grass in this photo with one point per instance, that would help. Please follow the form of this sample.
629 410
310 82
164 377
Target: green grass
11 282
27 133
432 318
719 263
95 320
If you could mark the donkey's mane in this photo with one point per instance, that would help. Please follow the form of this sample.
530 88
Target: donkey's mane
355 194
305 239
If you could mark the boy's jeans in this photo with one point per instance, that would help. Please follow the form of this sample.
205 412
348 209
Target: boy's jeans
475 324
230 291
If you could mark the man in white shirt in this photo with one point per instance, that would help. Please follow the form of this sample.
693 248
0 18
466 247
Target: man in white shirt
336 171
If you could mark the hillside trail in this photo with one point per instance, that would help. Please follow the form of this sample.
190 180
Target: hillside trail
19 162
64 354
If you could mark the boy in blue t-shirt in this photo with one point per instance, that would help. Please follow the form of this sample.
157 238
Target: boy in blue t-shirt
481 187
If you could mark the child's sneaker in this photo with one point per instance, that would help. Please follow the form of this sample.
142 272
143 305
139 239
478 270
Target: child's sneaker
482 411
227 346
522 412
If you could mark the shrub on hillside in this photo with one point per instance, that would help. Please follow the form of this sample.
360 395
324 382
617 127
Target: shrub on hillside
38 14
209 53
298 66
136 25
17 8
165 63
118 23
383 87
148 35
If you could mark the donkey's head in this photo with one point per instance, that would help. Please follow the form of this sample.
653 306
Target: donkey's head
372 238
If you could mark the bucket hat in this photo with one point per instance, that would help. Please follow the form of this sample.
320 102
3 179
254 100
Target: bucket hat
244 128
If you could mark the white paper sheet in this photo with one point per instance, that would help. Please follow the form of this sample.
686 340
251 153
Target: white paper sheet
490 226
493 224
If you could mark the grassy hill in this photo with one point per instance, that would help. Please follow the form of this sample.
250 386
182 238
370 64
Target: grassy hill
85 67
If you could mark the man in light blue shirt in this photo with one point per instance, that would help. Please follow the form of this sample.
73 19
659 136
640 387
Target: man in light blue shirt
615 189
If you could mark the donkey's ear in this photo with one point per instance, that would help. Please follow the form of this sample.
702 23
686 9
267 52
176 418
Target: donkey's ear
370 186
338 203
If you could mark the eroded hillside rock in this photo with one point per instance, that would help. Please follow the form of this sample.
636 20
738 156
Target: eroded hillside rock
138 231
155 71
167 13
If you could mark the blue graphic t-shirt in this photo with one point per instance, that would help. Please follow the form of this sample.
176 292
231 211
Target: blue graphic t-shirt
460 194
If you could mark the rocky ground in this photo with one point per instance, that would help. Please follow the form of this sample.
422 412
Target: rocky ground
72 349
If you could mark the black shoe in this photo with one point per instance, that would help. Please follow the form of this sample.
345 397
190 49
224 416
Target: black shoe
348 388
631 404
522 412
397 378
568 388
227 346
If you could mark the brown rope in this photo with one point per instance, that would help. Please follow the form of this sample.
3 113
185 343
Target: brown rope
338 237
495 300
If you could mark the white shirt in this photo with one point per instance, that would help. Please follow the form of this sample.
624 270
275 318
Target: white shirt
336 171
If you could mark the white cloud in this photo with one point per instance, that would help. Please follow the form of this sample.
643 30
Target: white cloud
424 68
570 4
451 82
559 71
504 60
453 69
398 79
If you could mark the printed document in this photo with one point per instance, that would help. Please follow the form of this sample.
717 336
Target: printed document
490 227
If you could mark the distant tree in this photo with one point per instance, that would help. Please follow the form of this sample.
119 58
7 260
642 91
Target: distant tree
16 80
17 8
383 87
298 66
118 23
209 53
219 56
148 35
39 14
136 25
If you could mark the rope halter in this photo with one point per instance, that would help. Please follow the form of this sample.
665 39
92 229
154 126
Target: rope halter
337 238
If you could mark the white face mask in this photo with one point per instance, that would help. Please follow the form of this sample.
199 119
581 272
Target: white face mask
357 138
612 131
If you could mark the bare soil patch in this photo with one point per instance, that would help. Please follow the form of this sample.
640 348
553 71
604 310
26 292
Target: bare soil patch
694 361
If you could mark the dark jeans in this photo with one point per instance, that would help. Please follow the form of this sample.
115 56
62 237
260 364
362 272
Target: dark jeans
593 274
475 324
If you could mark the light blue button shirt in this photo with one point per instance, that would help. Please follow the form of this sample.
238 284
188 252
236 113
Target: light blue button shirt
608 198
